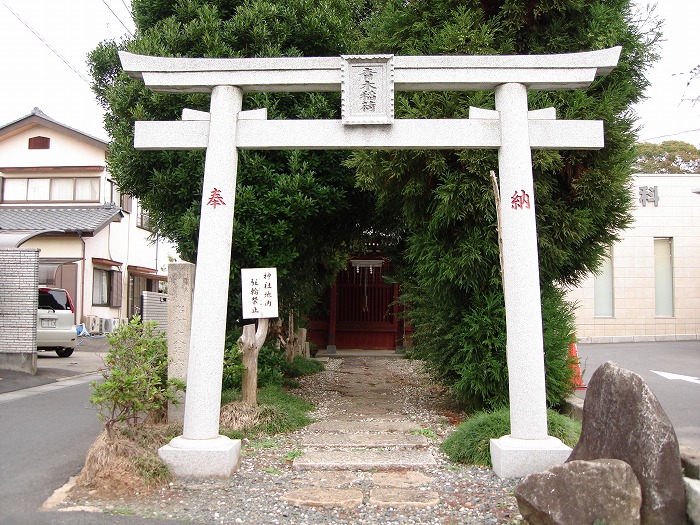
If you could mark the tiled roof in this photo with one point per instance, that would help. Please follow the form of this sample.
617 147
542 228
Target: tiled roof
39 118
86 220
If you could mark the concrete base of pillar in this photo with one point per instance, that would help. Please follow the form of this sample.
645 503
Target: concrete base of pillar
19 361
516 458
331 349
202 458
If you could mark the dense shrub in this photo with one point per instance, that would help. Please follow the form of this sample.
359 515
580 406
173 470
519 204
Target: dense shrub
470 444
468 353
136 383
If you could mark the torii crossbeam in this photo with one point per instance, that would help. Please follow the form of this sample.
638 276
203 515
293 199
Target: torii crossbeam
368 84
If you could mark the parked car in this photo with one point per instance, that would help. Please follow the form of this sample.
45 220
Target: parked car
55 322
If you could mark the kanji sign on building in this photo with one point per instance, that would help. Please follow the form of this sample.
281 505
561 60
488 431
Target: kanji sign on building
649 194
259 287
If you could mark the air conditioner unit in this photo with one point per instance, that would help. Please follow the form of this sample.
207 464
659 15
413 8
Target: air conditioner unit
106 325
92 323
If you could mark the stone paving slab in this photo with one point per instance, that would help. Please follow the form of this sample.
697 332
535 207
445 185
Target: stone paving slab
324 497
375 425
402 479
364 440
327 478
364 459
411 497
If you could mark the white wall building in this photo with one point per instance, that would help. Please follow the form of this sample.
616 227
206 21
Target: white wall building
649 289
57 195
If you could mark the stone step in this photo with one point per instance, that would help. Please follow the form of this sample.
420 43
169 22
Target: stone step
355 427
368 440
340 488
369 459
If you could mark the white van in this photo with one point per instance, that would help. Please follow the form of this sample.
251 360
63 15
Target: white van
55 322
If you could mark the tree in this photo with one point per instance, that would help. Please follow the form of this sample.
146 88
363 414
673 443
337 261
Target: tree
671 156
298 211
451 273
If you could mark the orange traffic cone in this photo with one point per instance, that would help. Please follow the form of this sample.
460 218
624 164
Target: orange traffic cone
578 380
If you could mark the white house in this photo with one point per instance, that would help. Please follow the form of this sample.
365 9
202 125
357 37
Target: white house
57 195
649 288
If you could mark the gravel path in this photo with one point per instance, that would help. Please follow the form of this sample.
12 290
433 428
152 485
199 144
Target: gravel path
350 389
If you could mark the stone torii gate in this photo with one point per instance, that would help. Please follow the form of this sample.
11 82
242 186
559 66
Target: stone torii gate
368 84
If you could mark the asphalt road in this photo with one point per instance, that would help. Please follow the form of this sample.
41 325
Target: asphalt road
45 433
680 398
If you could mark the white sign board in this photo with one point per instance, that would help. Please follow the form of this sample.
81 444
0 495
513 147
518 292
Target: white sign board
259 286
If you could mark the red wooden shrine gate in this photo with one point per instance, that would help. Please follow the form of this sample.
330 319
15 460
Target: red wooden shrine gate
363 312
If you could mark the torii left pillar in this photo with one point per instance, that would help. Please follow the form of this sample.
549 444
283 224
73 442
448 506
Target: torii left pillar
200 450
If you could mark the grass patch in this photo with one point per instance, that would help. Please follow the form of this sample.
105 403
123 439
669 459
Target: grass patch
292 455
301 366
469 443
277 412
427 432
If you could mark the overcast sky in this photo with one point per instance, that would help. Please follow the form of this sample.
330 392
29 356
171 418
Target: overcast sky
32 75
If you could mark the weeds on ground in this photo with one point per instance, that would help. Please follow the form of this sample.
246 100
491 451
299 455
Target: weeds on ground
292 455
470 442
127 461
301 366
427 432
277 412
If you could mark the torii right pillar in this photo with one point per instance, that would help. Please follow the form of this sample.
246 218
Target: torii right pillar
527 448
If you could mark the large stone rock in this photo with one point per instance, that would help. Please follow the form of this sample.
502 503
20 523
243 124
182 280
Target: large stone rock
581 492
622 419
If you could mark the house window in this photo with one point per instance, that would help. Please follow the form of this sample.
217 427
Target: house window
62 189
142 219
125 202
39 143
87 189
603 297
663 276
14 190
106 287
38 189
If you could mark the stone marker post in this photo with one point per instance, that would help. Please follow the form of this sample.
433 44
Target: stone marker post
180 290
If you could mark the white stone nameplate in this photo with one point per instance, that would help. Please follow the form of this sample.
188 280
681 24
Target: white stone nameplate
368 89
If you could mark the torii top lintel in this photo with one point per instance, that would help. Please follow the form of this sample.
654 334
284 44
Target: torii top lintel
411 73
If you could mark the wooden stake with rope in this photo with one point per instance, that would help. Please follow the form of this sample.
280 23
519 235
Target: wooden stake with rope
497 198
